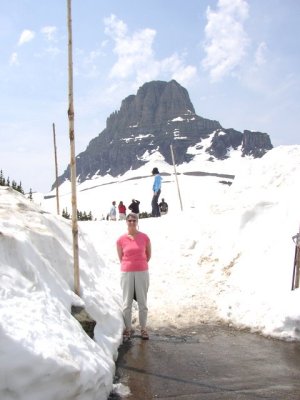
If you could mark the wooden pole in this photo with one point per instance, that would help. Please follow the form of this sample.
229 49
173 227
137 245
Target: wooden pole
173 160
56 169
72 151
296 268
297 275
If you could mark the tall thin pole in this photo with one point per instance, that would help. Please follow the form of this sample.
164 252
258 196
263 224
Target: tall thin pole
296 268
173 160
72 151
56 169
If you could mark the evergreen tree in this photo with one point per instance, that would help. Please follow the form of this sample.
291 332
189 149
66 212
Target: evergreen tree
19 188
14 184
2 179
84 216
30 194
65 213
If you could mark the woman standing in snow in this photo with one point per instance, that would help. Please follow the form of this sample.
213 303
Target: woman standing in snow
122 211
113 212
134 251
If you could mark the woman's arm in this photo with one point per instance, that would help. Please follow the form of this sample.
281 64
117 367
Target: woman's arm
120 252
148 251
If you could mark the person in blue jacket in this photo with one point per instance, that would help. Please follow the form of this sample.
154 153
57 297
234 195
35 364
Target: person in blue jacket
156 192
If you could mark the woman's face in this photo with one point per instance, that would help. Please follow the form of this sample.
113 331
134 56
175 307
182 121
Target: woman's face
131 223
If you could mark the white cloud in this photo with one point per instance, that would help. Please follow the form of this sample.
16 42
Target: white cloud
185 74
226 41
136 58
180 72
26 36
115 27
49 32
133 52
14 59
260 55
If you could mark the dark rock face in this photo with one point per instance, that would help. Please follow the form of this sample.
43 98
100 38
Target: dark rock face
222 141
255 144
160 114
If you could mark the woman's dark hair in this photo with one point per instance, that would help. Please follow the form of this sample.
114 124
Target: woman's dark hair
155 171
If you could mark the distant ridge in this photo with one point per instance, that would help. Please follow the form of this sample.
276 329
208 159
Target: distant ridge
160 114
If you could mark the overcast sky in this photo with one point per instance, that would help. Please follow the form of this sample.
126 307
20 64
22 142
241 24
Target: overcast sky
238 59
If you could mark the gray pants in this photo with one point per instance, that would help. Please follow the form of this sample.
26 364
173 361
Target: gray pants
138 283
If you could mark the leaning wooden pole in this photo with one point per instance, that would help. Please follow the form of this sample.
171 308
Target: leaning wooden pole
296 267
72 151
173 160
56 170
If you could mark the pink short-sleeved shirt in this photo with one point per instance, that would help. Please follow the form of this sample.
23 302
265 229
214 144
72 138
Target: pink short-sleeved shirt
134 252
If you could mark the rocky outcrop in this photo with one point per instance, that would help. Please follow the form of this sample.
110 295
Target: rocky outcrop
224 140
255 144
160 114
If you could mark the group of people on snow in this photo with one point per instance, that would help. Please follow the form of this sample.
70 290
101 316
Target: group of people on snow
133 207
158 209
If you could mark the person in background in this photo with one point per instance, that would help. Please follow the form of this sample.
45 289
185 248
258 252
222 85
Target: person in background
122 211
156 192
135 206
134 252
113 212
163 207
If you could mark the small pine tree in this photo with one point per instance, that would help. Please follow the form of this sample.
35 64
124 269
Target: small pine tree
19 188
14 184
65 214
84 216
2 179
30 195
144 215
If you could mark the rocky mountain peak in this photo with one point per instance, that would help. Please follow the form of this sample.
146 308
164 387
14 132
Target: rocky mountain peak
160 114
154 103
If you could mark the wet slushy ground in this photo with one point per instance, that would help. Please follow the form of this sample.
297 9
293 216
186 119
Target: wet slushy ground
209 363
